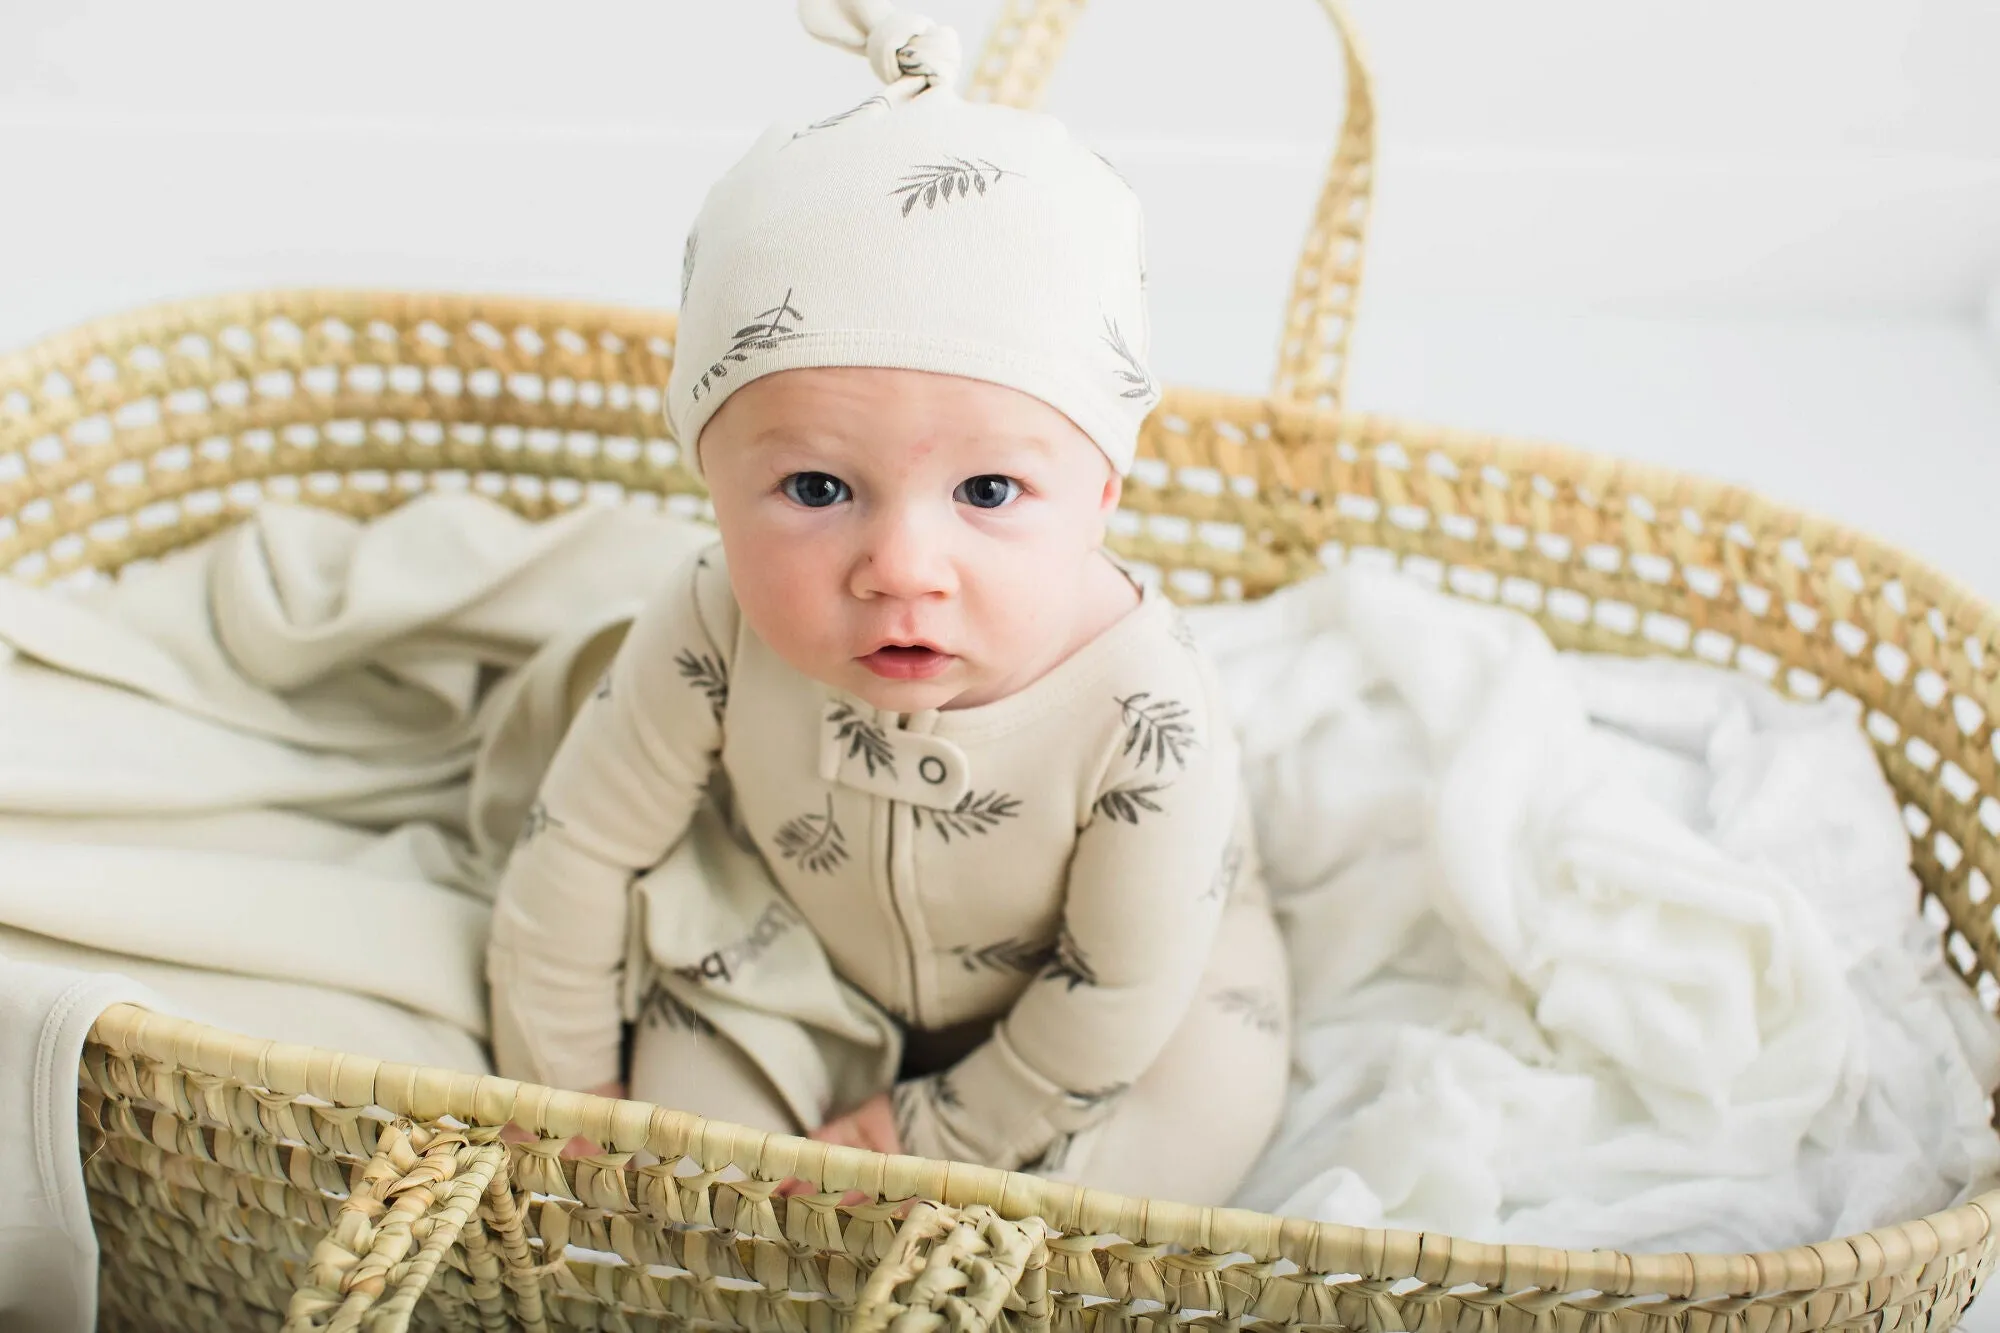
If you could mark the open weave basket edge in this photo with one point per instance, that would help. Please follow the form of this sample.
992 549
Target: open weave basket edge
355 1080
625 1127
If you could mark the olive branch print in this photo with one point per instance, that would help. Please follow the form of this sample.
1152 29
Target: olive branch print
662 1008
687 265
767 331
838 116
705 673
534 823
1156 730
814 841
1138 380
1223 886
1256 1008
1069 965
1009 955
932 181
973 814
1127 801
865 740
1183 633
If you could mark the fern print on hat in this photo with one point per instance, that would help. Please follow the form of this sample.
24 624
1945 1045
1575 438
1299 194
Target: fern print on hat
917 230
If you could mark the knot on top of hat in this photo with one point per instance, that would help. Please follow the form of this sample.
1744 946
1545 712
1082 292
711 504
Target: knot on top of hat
899 45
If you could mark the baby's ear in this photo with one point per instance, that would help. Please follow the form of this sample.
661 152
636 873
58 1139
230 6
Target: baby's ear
1114 489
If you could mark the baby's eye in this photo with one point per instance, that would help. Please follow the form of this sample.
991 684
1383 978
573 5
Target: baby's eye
815 490
987 492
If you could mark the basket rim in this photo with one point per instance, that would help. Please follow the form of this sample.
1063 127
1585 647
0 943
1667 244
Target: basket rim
420 1092
1965 610
1322 1247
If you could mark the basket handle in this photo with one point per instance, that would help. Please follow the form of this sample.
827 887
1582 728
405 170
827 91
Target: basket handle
1013 69
957 1269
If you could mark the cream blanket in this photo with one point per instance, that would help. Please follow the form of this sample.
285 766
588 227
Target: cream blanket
1589 952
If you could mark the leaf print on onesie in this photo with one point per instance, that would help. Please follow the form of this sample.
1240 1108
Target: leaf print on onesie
704 672
1156 729
814 841
1258 1009
935 1089
1138 380
534 823
932 181
1070 966
973 814
1129 801
767 331
865 740
1008 955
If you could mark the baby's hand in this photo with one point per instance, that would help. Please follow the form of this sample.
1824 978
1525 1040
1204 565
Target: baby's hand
871 1125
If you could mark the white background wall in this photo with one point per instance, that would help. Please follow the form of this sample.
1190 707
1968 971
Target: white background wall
1749 237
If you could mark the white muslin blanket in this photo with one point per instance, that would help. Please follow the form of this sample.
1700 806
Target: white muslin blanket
1588 951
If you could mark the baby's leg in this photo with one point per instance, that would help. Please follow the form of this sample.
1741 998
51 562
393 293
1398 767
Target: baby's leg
1191 1126
680 1062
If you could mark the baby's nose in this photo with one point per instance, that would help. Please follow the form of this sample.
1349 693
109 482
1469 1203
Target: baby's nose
902 559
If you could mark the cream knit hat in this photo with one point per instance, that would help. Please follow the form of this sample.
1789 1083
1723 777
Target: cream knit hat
922 231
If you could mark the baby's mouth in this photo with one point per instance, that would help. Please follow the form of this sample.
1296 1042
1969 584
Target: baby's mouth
907 661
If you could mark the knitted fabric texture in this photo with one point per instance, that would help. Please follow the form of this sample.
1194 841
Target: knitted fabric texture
921 231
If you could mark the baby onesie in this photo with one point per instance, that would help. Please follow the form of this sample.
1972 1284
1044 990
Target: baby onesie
1053 896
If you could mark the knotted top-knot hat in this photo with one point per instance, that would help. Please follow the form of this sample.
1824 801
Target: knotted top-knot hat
919 230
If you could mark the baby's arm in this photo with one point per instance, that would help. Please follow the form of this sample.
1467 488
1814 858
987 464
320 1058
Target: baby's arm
618 795
1146 889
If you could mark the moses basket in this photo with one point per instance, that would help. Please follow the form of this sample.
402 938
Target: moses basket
247 1184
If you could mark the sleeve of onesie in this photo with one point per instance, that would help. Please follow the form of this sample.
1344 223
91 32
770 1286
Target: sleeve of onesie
619 793
1147 886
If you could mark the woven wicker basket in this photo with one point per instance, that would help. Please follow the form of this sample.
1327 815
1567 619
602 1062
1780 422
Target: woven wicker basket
238 1184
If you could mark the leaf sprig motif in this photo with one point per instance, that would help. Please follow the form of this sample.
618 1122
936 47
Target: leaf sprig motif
1138 380
814 841
1258 1009
767 331
1070 966
1223 886
705 673
973 814
838 116
1128 801
1156 729
865 739
535 823
932 181
1008 955
687 265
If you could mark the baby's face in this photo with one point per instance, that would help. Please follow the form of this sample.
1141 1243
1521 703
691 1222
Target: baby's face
917 540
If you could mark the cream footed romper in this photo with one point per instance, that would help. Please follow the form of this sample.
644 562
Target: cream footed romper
1039 921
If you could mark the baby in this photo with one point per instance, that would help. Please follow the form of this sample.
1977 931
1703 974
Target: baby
984 851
